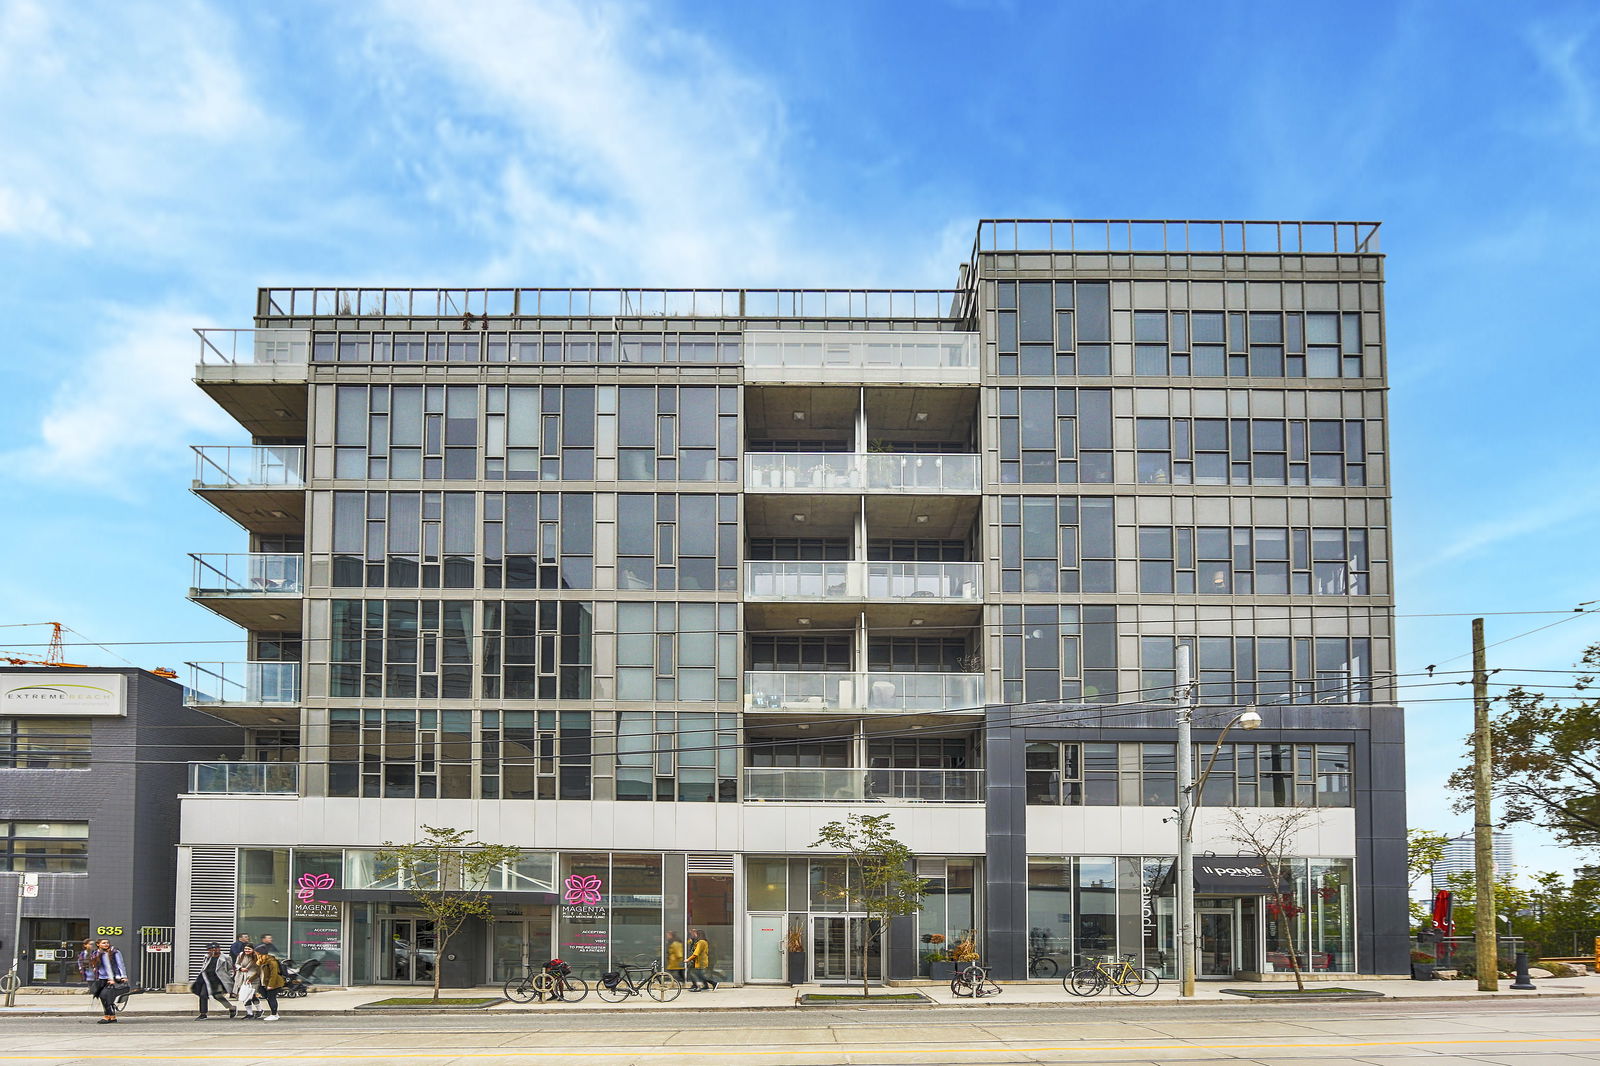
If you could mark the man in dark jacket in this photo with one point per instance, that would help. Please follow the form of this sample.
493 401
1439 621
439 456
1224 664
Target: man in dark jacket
110 980
214 979
239 944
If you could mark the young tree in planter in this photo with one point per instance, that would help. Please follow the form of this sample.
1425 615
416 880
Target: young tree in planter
447 876
878 879
1271 838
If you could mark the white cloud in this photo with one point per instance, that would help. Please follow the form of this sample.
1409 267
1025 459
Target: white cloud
1561 52
129 405
120 119
598 138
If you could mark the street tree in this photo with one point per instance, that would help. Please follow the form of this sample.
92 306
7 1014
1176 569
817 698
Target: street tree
878 880
447 876
1424 850
1546 760
1272 838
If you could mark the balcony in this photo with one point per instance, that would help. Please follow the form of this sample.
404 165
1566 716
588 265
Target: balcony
257 590
258 376
813 357
846 581
262 487
856 472
806 785
258 689
244 779
800 690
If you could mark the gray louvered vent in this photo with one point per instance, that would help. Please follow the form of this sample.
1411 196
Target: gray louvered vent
213 893
710 864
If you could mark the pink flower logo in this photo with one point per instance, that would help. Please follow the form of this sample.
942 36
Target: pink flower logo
582 891
311 884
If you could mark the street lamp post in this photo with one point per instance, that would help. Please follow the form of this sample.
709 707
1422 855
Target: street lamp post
1188 789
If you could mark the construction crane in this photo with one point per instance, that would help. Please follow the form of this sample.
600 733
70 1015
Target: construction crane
55 655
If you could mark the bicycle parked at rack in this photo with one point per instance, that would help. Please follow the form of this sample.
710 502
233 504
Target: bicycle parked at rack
1107 971
619 985
554 981
972 981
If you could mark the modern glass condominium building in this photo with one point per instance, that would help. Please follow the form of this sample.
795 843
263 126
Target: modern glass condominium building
654 583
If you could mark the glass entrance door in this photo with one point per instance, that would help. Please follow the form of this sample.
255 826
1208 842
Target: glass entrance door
519 944
1218 943
409 950
51 952
836 948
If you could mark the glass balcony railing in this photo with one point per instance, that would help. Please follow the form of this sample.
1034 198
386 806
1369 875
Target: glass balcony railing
243 684
226 466
848 580
800 690
858 355
807 785
244 778
925 581
246 574
887 472
924 692
799 580
861 472
804 471
254 347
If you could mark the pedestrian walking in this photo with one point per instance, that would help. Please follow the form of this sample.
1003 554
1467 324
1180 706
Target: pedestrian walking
246 974
271 977
266 942
215 979
236 947
87 964
699 961
674 965
110 980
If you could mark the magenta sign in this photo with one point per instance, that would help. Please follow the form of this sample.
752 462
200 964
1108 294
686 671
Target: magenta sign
582 891
310 884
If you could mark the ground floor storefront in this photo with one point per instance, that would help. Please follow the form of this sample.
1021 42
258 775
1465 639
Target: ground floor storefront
765 918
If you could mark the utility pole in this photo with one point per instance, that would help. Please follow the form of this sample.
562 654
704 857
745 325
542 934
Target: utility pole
1184 875
1484 931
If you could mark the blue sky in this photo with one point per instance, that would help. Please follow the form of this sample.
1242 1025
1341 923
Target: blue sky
161 160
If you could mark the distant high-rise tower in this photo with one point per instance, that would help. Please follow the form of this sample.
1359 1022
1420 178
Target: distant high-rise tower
1459 858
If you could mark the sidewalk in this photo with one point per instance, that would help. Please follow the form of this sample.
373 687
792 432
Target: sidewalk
769 997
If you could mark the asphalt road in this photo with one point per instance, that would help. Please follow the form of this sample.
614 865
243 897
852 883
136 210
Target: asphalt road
1371 1034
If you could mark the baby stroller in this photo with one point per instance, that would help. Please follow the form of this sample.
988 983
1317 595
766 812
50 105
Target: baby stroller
297 979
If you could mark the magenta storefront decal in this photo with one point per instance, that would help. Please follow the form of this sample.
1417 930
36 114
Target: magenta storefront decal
582 891
306 903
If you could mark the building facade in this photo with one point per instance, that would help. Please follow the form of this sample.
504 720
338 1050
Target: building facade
91 766
655 583
1460 856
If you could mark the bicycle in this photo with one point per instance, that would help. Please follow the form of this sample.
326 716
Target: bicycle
554 982
973 982
1091 979
618 985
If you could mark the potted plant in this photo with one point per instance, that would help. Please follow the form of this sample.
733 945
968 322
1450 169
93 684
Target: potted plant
1422 965
962 951
940 968
794 948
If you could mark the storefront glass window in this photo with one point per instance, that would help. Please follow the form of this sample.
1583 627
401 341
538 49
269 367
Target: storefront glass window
1158 909
316 923
635 896
961 901
583 936
1285 918
1330 916
765 884
711 911
1050 913
827 886
1096 906
264 894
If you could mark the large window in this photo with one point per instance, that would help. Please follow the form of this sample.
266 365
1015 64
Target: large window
677 433
1055 436
46 847
1129 773
685 756
1058 653
44 743
1241 670
538 649
538 540
1057 544
400 754
672 652
403 539
1250 451
668 542
1223 560
406 649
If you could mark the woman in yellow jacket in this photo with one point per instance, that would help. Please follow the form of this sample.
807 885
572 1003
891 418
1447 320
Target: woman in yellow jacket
699 961
674 964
